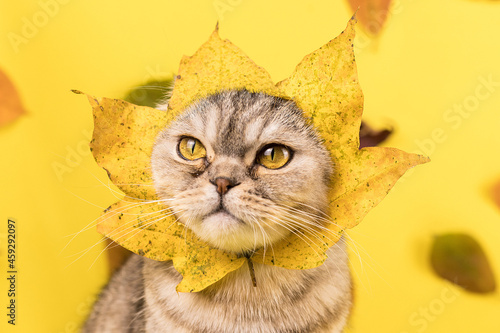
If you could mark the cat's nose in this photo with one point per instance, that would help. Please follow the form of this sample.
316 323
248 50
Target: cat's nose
223 184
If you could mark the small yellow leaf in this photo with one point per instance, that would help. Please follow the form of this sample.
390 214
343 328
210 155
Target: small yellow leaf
371 13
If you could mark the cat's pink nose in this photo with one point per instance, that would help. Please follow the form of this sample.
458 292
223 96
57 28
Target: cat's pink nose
223 185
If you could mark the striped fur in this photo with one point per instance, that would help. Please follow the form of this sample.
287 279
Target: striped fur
264 206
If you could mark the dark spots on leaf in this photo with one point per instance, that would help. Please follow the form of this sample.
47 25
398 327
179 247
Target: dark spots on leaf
140 252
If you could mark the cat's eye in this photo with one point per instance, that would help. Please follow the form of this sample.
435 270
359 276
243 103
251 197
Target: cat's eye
274 156
191 149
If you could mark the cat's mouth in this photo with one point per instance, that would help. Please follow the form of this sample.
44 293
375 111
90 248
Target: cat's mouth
223 212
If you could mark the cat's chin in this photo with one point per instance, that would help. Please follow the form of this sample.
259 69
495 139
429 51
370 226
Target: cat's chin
226 232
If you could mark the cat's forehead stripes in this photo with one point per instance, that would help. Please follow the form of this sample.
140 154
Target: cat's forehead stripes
235 122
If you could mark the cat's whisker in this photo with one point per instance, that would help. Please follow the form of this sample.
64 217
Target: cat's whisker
110 214
104 239
264 240
310 227
355 249
314 216
254 234
153 215
307 224
366 253
87 227
137 230
327 219
85 251
325 215
294 231
266 243
317 225
148 87
84 200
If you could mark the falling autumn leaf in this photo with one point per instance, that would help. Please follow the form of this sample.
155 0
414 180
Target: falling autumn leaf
371 13
10 103
116 254
495 193
368 137
459 258
324 85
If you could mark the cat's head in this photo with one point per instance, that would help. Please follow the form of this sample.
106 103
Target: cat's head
242 170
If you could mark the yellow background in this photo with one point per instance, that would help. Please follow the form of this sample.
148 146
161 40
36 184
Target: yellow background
431 56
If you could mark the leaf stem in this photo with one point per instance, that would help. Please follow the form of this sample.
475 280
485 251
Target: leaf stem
252 270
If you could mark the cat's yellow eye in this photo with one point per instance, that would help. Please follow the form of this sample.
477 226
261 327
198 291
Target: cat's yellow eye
191 149
274 156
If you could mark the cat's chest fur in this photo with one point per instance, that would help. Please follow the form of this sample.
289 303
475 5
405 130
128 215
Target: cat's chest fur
142 298
315 300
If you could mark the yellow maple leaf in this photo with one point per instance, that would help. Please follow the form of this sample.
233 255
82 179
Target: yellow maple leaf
324 85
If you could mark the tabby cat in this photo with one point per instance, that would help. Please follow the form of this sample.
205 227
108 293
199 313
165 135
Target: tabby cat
241 170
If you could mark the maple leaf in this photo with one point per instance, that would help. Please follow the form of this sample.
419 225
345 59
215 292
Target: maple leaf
10 103
371 13
324 85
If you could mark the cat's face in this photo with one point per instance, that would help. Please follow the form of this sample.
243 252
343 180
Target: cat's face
242 170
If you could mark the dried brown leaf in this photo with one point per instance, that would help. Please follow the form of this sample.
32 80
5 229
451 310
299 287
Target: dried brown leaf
10 103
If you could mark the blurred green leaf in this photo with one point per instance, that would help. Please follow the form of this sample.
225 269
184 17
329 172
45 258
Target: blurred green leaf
460 259
151 93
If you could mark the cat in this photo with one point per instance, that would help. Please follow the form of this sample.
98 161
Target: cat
242 170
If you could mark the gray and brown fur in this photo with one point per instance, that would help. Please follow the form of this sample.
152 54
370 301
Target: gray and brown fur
261 207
